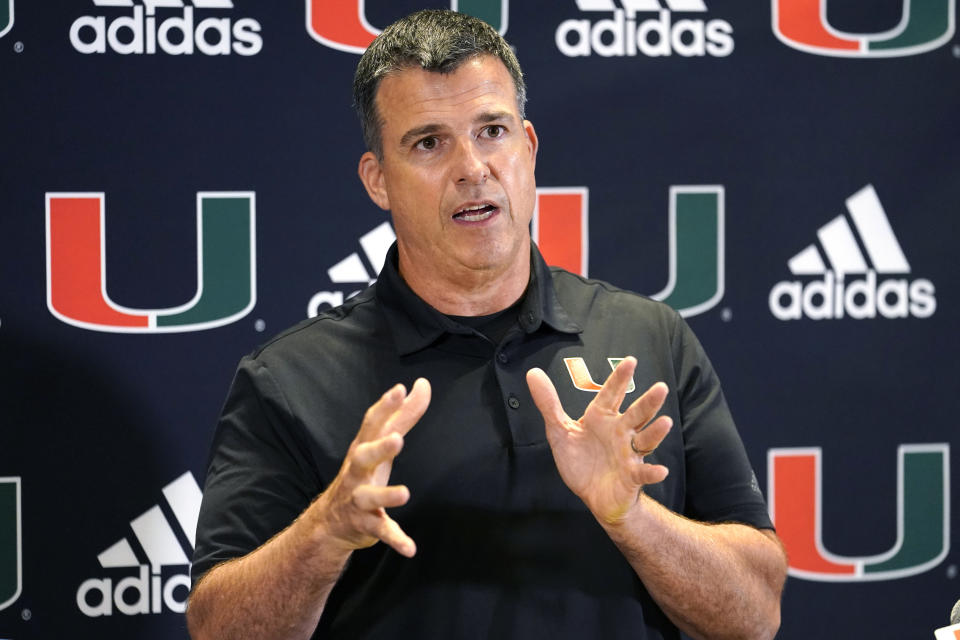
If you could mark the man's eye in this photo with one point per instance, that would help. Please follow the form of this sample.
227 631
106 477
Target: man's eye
494 131
428 144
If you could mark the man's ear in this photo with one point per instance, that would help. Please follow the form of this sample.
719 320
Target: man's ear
371 175
532 140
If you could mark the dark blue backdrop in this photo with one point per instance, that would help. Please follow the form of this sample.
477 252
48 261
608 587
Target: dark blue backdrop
774 105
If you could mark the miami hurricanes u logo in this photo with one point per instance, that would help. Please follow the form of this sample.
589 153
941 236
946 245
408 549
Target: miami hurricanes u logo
582 379
6 16
923 515
696 241
924 25
76 268
10 543
343 25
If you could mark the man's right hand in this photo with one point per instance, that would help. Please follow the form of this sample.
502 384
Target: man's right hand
352 510
280 589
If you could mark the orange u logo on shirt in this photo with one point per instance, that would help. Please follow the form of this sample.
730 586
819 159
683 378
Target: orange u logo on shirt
582 379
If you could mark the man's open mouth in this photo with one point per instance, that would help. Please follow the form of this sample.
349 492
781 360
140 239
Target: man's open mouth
475 213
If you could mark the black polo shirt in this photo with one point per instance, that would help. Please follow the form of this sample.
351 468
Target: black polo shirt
505 550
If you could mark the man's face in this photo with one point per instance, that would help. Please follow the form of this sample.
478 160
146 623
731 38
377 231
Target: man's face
456 172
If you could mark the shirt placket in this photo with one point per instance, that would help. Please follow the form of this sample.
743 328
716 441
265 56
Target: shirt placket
526 426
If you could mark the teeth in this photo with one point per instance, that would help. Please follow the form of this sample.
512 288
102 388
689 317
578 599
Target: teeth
476 217
476 213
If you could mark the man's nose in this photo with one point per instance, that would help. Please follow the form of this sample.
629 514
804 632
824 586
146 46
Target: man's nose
470 164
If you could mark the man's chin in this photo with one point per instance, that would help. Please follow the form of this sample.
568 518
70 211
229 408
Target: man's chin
494 260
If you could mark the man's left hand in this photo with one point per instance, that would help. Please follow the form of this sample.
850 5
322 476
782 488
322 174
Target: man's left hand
601 456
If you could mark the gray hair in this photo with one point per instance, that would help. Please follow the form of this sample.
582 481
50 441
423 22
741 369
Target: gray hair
436 40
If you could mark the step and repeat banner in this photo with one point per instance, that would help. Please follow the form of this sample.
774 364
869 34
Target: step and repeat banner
179 183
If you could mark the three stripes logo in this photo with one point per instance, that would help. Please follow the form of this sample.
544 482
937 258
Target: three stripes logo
374 244
77 278
924 25
923 515
626 34
11 567
351 270
151 590
833 297
343 25
6 16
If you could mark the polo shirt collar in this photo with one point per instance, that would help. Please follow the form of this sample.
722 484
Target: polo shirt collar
416 325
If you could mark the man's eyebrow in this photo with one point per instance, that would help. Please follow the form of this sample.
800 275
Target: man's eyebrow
417 132
493 116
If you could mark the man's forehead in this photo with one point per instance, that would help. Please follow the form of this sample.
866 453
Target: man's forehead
413 91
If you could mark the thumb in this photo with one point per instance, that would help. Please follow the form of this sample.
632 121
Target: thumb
545 397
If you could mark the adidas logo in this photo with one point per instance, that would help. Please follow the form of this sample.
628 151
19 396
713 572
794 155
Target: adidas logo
833 296
351 270
178 34
148 591
625 35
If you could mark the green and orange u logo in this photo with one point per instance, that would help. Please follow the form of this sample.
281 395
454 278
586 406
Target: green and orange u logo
6 16
580 375
695 241
343 25
803 25
923 515
76 268
10 544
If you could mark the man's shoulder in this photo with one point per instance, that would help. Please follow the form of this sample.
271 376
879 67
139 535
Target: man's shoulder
600 300
333 327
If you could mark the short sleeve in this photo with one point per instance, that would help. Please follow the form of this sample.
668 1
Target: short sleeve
260 476
720 483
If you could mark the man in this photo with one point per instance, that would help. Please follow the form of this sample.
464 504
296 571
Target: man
506 520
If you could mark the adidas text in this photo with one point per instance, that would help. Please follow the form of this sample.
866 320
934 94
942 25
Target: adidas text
134 595
837 255
832 298
181 33
624 35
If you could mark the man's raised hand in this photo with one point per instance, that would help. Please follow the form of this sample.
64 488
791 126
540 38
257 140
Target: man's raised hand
601 456
353 507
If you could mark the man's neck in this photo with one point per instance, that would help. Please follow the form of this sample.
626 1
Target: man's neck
465 291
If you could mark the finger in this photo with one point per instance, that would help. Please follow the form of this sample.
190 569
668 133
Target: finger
370 497
650 438
367 455
650 474
411 409
389 532
637 450
611 394
545 397
644 408
379 412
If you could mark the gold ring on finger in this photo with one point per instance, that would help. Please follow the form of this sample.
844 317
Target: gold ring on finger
639 452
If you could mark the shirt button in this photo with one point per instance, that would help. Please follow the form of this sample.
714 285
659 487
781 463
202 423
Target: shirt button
502 357
513 402
530 318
